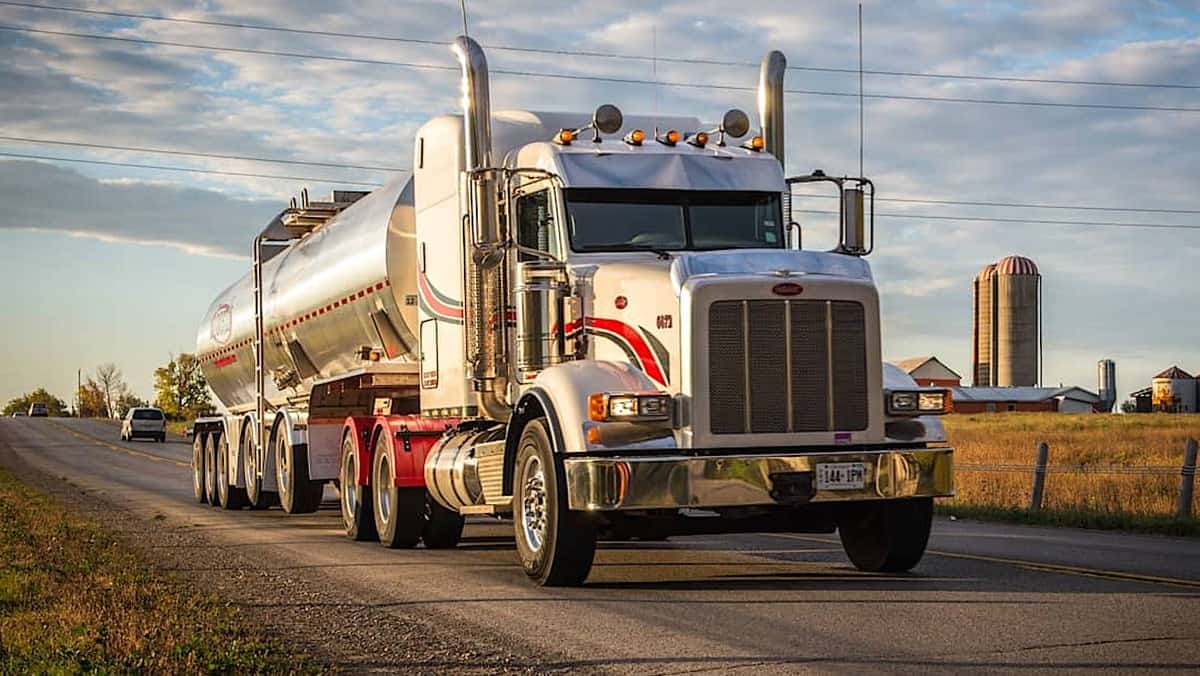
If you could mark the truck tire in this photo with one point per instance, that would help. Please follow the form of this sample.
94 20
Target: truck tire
297 493
198 468
210 469
358 512
443 527
229 496
887 537
256 496
556 545
399 512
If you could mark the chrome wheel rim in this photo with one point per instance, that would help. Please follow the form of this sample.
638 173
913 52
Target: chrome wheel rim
210 471
283 472
222 471
383 499
197 469
533 503
349 494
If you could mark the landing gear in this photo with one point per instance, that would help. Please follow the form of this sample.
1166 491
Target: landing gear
555 544
297 493
886 537
358 513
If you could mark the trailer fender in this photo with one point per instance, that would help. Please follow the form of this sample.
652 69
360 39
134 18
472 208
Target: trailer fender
560 394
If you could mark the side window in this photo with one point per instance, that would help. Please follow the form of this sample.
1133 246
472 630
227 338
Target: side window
535 225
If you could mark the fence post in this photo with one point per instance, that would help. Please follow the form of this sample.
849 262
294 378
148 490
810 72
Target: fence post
1039 477
1187 481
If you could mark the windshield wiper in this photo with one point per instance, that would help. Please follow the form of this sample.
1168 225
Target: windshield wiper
663 254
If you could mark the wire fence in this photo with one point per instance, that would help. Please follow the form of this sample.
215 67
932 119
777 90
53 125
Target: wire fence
1038 471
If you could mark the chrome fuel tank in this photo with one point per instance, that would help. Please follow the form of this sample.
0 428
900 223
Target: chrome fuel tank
346 287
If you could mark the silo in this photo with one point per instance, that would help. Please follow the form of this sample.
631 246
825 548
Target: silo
984 327
1106 383
1016 298
1174 391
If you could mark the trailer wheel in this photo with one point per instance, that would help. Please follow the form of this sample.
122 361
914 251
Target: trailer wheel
358 512
399 512
443 527
297 493
210 469
886 536
256 496
198 468
228 496
556 545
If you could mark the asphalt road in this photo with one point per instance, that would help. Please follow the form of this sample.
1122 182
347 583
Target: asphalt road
986 597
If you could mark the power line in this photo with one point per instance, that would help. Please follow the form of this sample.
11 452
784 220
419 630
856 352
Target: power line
1030 221
910 200
186 153
1019 205
159 167
596 54
599 78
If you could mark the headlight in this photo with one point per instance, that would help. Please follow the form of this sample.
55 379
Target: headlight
609 407
919 402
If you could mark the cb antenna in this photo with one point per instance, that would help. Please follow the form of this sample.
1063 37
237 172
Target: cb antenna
861 172
463 4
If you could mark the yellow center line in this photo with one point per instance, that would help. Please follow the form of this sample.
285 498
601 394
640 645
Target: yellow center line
1038 565
122 449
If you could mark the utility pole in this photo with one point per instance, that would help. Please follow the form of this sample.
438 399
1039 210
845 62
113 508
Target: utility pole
79 393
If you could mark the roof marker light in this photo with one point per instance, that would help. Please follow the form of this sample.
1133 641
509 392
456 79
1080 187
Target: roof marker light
564 137
756 144
635 137
699 139
669 139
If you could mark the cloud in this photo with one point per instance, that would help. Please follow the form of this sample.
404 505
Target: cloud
47 198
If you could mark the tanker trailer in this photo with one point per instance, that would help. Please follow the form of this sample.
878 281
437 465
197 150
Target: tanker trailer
597 326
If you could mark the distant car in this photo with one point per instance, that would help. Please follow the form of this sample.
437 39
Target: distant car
149 423
19 414
38 411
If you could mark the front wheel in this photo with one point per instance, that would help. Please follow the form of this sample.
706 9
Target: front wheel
556 545
887 537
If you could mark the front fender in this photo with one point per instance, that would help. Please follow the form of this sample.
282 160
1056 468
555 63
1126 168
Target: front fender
567 387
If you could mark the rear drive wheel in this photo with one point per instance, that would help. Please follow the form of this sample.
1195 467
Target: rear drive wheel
228 495
198 468
210 469
297 493
399 512
358 513
887 536
443 527
555 544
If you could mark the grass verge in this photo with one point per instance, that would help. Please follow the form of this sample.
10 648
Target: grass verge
75 599
1074 518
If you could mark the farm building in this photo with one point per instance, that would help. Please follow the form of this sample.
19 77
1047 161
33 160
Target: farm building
1001 399
929 371
1175 391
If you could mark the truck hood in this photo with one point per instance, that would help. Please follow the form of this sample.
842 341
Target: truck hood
778 262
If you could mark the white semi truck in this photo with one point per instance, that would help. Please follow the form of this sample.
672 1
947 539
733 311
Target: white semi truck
595 326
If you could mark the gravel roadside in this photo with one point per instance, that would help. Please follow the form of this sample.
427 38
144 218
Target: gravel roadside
311 612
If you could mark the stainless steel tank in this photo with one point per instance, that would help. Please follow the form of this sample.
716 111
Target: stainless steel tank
342 294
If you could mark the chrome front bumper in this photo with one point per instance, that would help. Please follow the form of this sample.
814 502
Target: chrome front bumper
674 481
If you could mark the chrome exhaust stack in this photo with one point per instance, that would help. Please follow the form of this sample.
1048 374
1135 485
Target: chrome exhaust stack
485 325
770 102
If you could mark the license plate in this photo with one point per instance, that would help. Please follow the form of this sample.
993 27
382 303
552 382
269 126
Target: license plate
841 476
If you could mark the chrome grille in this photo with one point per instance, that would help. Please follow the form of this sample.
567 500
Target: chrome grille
787 366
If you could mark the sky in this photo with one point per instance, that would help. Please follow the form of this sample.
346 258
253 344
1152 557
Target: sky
105 263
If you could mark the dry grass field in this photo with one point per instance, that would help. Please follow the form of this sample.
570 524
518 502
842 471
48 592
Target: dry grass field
1084 442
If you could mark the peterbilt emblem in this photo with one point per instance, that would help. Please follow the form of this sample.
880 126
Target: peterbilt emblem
222 324
787 289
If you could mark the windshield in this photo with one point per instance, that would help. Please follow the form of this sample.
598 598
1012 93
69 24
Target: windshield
625 220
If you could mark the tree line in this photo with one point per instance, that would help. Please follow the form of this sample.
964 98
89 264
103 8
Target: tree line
180 390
